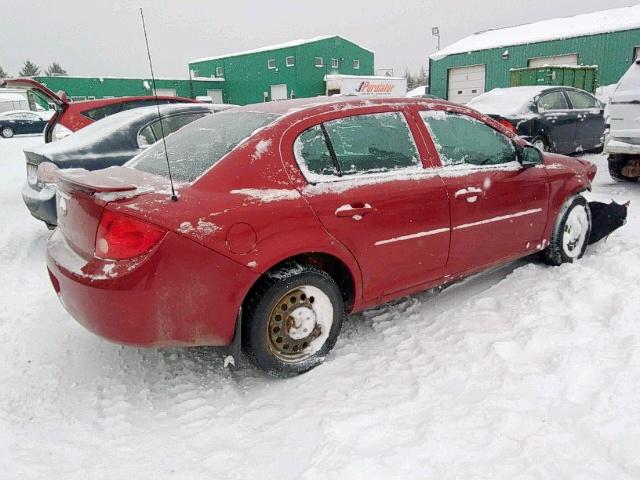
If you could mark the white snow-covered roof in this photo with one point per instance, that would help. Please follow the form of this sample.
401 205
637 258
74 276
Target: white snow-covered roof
291 43
418 91
507 102
613 20
148 79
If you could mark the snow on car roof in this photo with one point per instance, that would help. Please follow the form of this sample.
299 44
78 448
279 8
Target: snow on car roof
613 20
507 102
292 43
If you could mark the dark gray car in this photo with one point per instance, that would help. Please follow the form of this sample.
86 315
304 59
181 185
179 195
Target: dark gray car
111 141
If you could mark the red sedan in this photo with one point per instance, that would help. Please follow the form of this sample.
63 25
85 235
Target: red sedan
292 213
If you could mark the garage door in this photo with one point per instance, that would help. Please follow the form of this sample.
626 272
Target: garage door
166 92
279 92
465 83
555 60
215 96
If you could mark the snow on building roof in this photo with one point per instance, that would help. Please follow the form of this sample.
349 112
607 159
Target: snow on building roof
291 43
613 20
107 77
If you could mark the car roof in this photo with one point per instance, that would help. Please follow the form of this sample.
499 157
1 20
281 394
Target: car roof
284 107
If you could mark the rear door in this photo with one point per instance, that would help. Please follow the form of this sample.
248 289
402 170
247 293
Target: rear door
558 121
371 191
498 208
590 120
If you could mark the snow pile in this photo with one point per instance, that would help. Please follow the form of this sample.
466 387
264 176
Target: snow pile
613 20
524 372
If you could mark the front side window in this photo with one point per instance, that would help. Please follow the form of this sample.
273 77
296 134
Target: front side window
463 140
362 144
552 101
201 144
319 62
290 61
271 63
582 100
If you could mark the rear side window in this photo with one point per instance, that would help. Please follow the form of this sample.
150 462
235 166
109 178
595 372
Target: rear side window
152 133
201 144
552 101
361 144
102 112
582 100
463 140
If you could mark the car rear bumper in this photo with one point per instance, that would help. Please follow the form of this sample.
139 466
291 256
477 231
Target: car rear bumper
41 203
616 146
180 294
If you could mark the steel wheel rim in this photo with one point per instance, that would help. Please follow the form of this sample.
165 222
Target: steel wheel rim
575 231
299 323
540 145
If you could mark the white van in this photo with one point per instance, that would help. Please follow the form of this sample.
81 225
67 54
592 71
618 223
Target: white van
622 140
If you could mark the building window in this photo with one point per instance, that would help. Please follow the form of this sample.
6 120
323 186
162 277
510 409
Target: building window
219 71
271 63
319 62
335 63
356 64
290 61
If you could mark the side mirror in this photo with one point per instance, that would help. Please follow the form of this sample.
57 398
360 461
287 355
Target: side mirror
530 156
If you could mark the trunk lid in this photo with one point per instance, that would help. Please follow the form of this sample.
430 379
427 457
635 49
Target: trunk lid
82 196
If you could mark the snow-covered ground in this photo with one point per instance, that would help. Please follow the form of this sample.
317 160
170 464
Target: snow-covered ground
526 372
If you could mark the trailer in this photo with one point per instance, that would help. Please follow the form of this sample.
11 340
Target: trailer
373 85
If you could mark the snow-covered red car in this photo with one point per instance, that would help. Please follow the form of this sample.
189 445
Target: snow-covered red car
290 214
72 116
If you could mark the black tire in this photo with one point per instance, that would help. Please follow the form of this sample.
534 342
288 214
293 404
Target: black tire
261 328
616 164
557 253
6 132
541 140
50 226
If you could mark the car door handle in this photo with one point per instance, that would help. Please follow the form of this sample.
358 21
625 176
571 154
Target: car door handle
470 194
354 210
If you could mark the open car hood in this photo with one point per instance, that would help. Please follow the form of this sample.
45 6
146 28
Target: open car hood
34 85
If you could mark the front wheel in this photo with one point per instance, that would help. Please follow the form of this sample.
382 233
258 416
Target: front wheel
571 232
292 320
540 143
6 132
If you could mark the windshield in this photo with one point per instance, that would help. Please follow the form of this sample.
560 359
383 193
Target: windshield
200 145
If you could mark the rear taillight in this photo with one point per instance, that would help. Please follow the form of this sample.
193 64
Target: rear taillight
507 124
47 172
121 236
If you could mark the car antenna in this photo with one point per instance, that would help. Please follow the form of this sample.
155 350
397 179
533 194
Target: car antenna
174 197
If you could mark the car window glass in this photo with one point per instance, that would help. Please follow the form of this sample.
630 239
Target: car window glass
173 123
146 137
461 139
201 144
372 143
552 101
313 153
102 112
582 100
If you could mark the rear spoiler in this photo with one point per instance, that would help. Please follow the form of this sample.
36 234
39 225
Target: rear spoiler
60 99
92 182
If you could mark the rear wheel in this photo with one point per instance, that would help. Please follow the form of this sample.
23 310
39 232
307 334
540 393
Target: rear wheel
571 232
624 168
292 319
6 132
540 143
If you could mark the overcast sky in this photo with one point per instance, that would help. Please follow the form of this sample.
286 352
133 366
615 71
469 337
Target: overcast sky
105 37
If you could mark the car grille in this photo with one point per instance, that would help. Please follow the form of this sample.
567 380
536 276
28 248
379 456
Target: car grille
32 173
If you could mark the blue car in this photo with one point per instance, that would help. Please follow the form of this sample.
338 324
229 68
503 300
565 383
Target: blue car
21 122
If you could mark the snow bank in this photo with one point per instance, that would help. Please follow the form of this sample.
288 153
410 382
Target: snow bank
613 20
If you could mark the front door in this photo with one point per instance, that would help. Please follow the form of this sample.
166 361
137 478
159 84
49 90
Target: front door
215 96
590 120
373 195
558 121
498 208
279 92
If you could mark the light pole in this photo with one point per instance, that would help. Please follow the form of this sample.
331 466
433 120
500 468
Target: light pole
435 32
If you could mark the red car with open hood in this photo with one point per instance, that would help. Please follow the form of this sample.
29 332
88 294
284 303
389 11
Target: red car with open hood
293 213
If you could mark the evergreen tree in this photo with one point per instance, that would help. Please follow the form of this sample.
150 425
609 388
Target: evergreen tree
3 74
411 80
423 76
29 69
55 69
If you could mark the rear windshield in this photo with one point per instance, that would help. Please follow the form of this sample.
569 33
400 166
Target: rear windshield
200 145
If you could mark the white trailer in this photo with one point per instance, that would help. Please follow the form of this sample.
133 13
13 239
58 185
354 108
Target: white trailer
13 99
379 86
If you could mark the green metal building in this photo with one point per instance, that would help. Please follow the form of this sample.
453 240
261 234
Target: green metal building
292 69
89 88
607 39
